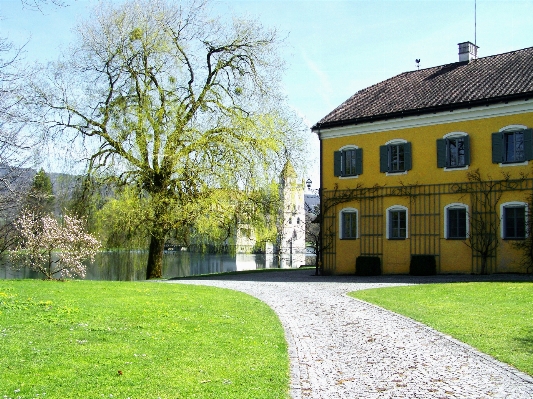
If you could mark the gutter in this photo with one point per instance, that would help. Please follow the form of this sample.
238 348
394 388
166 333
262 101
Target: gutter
420 111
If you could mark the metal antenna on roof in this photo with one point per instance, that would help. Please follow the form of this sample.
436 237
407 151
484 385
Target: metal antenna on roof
475 29
417 63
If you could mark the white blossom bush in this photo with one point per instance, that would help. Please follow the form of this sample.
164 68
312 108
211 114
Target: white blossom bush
51 248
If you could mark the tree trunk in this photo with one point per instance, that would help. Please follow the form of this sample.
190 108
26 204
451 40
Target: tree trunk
484 259
154 268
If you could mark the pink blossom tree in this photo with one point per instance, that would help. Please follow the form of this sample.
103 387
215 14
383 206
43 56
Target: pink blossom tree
52 248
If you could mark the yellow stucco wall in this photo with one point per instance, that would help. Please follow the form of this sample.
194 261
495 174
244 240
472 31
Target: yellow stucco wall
455 256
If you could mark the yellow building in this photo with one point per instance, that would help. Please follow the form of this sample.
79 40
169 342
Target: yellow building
433 162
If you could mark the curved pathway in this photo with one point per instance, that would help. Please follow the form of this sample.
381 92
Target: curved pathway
340 347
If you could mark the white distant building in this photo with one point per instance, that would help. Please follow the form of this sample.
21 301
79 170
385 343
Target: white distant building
291 224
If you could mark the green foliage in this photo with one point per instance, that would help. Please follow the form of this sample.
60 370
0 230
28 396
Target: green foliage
368 266
42 183
423 265
88 197
492 317
119 222
179 105
138 340
227 210
41 195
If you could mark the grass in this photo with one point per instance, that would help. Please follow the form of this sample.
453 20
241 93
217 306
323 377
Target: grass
88 339
496 318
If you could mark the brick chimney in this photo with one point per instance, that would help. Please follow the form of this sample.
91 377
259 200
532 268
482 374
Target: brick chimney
467 51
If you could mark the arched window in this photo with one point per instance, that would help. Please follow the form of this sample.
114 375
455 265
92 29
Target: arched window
348 161
348 228
456 221
514 217
453 151
395 157
397 222
512 145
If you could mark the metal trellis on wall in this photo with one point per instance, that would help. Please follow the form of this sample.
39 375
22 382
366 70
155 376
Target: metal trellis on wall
426 204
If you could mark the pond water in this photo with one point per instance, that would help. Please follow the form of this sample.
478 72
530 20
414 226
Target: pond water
131 265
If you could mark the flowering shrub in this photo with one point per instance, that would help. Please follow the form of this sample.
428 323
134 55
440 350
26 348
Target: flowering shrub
51 248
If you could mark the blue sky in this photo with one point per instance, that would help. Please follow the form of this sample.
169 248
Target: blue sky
333 48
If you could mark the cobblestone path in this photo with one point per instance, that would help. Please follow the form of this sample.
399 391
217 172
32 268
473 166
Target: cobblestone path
340 347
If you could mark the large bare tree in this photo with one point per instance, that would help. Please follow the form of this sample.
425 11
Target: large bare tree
14 143
172 101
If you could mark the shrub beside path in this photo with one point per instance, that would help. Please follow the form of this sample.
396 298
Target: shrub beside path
340 347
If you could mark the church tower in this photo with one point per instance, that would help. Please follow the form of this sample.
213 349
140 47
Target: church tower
291 224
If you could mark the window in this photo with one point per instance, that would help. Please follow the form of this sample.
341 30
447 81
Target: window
512 145
348 162
397 222
348 221
453 151
514 216
395 157
456 221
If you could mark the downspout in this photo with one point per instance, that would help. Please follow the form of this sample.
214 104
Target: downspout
320 264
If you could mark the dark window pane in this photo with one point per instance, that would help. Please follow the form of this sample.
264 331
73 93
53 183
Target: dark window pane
515 222
349 225
514 147
456 152
397 158
457 223
350 163
398 224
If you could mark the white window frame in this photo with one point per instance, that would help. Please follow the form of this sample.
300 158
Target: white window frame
456 205
395 142
513 204
341 229
345 148
453 135
387 221
510 129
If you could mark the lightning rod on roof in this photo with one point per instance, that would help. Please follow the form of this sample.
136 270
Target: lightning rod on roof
475 27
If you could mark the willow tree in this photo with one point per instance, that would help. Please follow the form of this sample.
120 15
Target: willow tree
171 101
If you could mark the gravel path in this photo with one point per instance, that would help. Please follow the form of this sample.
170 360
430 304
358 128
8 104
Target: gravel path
340 347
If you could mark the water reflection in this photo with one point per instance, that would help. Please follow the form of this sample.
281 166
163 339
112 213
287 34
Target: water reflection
131 265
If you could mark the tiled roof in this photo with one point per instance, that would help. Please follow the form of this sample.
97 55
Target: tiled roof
485 80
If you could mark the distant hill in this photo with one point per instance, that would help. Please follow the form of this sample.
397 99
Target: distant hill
16 182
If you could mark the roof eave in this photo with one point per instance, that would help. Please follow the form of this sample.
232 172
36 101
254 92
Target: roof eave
421 111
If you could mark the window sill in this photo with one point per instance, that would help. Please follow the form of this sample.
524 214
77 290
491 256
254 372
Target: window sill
396 239
504 165
349 177
452 169
348 239
456 238
395 173
514 239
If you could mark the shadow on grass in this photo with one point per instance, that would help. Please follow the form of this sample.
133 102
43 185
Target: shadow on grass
308 275
525 343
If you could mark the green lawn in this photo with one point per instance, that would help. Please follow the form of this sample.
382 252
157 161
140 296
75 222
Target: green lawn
496 318
87 339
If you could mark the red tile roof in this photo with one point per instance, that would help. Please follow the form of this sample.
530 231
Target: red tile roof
502 77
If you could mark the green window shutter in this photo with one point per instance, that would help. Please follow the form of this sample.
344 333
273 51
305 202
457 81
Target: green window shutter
407 156
384 158
528 144
497 147
467 149
337 163
441 153
359 161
